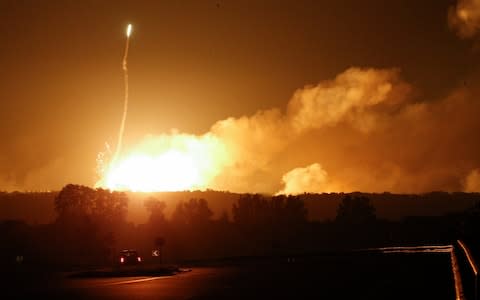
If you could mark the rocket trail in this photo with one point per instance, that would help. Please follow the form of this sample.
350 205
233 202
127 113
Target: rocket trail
118 149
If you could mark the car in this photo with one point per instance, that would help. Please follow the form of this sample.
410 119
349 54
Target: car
129 257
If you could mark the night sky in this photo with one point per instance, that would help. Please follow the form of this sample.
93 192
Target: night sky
194 63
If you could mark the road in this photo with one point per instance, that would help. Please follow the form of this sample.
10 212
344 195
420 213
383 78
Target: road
346 276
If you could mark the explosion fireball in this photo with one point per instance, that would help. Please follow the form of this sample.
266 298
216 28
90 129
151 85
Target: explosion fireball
361 130
167 163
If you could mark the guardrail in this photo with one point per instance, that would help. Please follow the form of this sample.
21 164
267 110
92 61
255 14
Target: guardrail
473 265
457 278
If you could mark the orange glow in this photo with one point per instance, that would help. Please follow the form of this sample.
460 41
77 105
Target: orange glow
168 172
174 162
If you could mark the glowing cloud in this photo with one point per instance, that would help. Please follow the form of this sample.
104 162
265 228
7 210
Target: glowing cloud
352 97
465 17
311 179
472 182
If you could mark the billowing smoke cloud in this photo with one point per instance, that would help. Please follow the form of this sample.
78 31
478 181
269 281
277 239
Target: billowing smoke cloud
311 179
465 17
353 97
257 145
365 129
472 182
362 131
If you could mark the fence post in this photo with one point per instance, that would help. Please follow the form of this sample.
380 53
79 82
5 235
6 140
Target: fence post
476 287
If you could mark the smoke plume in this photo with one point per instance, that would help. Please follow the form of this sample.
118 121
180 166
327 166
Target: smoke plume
311 179
465 17
257 145
365 130
472 182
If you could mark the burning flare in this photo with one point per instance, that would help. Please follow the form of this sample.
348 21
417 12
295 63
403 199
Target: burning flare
129 30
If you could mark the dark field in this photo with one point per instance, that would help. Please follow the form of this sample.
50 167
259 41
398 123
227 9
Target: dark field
361 275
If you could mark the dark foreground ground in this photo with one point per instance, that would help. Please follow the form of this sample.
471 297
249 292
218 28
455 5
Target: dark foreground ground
365 275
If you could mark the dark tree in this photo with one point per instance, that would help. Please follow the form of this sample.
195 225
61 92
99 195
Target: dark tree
355 210
74 200
191 227
156 209
224 219
290 209
280 210
86 223
470 225
193 212
100 205
158 226
271 224
251 210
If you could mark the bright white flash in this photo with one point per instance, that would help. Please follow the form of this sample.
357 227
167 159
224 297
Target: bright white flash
129 29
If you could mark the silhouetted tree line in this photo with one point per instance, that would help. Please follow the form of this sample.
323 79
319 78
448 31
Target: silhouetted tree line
91 227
